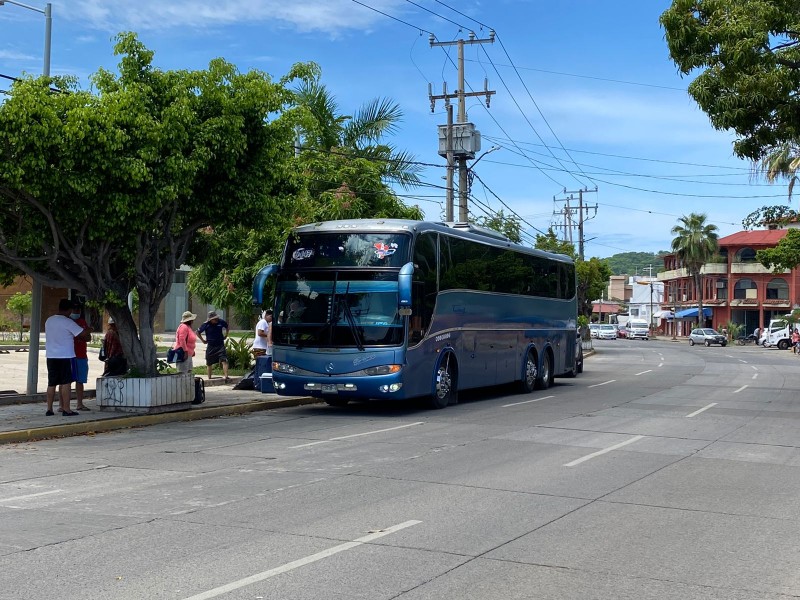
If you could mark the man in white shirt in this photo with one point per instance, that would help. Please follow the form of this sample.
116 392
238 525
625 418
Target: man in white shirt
60 332
263 342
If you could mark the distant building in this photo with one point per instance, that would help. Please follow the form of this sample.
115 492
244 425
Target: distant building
736 289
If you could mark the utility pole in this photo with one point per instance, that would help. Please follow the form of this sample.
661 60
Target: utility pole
582 211
461 141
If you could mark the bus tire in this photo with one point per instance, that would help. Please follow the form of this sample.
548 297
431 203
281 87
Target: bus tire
445 389
544 377
529 373
578 366
337 402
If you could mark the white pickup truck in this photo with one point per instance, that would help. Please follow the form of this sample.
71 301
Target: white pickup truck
779 333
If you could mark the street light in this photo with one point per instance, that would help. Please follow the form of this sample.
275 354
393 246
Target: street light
47 11
36 292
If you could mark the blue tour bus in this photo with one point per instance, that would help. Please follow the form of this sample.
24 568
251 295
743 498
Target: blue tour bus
390 308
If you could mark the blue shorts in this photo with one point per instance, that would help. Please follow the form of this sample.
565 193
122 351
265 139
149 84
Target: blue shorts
81 370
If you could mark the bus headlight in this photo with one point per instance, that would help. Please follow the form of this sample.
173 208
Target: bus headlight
383 370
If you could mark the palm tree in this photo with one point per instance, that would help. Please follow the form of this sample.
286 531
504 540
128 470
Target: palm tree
695 243
782 161
361 135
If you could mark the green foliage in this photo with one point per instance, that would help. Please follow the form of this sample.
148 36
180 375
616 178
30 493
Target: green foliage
238 351
144 162
343 172
748 53
785 254
770 215
695 243
551 243
636 263
735 330
20 304
511 227
593 277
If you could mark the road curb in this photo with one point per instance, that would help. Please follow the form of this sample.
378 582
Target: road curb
129 421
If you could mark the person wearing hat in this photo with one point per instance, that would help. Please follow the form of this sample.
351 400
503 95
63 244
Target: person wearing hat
215 330
81 356
185 338
115 361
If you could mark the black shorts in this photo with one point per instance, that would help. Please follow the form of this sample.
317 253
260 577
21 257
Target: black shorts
216 354
61 371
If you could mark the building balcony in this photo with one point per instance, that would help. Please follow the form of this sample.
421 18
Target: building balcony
707 269
752 268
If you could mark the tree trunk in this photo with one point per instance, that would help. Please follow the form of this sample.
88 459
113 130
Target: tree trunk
698 284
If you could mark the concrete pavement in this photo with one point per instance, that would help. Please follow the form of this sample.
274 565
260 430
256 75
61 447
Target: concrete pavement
22 418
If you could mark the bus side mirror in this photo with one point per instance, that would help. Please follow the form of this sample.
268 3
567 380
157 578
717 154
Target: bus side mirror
404 284
260 280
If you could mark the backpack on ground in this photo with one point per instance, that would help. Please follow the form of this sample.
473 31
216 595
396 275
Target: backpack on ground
199 391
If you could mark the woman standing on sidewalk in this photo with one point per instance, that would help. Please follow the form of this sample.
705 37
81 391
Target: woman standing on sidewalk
186 338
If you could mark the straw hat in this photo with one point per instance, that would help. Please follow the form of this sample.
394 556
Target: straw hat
188 316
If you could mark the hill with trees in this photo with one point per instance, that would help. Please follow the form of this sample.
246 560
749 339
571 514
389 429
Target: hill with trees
636 263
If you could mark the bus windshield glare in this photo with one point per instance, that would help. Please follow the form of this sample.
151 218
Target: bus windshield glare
338 310
347 249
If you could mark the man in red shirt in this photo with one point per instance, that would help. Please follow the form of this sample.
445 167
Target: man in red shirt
81 358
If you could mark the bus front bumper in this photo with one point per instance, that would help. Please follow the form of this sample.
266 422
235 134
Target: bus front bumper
378 386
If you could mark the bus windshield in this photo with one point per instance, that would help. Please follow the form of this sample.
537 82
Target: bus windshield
341 310
346 249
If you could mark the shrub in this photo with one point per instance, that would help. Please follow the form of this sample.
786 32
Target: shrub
238 351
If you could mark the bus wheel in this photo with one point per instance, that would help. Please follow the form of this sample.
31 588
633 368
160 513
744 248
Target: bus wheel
445 391
578 366
337 402
529 373
545 377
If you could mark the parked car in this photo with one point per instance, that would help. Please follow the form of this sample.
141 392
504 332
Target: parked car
622 331
707 336
607 332
593 329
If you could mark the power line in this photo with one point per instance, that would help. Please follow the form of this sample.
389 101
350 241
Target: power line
380 12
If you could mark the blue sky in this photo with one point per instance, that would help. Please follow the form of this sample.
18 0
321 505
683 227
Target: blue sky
586 95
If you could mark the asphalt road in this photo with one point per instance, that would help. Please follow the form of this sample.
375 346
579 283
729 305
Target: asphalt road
663 471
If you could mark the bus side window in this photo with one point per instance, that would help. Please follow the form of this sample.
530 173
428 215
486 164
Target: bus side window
423 289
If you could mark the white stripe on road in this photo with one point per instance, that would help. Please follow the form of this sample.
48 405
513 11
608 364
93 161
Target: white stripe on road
604 383
527 401
606 450
347 437
697 412
25 497
660 364
755 375
755 368
744 387
643 372
235 585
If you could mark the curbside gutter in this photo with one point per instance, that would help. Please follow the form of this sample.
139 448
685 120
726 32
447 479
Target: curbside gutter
130 421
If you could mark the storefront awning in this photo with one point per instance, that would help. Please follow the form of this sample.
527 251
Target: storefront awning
691 313
664 314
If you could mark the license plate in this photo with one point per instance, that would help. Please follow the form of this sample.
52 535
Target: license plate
329 388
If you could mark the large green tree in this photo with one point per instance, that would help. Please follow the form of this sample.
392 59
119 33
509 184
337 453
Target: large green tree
785 255
592 274
748 55
104 191
343 170
695 243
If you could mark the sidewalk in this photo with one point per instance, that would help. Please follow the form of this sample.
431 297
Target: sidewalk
22 417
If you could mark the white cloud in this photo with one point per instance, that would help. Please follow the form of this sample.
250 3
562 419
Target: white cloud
12 55
330 16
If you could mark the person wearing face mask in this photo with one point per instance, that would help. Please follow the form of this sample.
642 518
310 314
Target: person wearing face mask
60 332
81 358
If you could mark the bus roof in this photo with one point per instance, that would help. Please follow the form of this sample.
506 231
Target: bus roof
465 230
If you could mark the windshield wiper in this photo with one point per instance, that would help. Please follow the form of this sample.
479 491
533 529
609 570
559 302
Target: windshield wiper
351 321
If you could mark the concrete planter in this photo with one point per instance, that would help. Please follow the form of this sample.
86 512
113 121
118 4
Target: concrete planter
146 395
